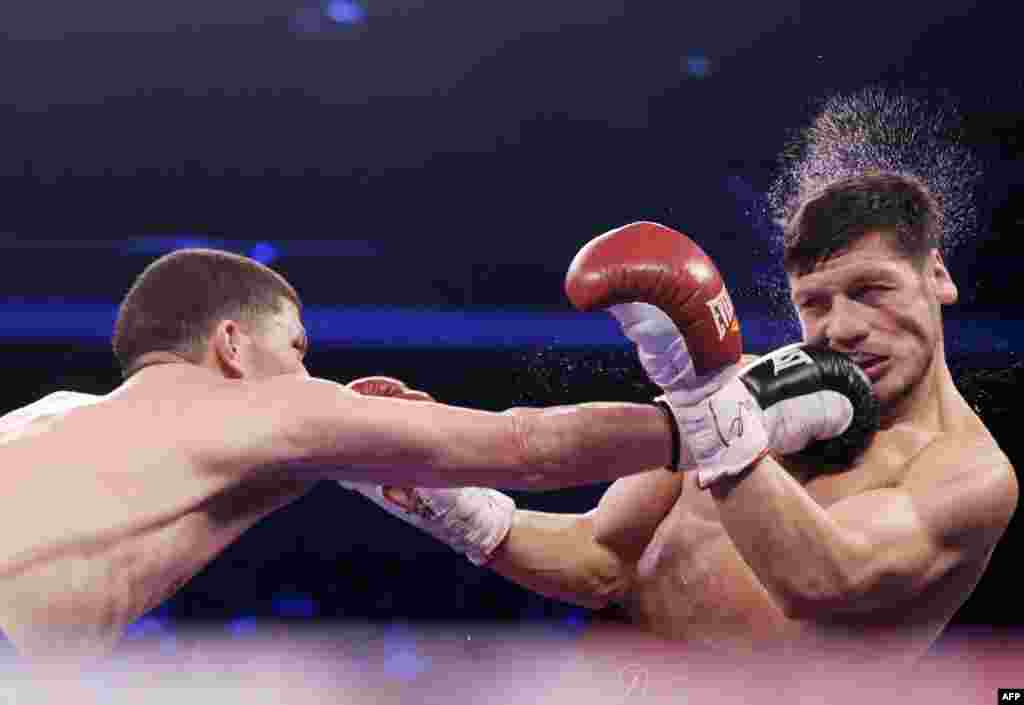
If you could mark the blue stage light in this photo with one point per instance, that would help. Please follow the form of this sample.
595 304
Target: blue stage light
162 245
294 605
242 626
698 66
263 252
403 660
189 242
26 321
406 664
146 627
345 12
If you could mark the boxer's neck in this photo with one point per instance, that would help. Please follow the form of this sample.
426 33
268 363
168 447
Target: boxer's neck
152 359
929 402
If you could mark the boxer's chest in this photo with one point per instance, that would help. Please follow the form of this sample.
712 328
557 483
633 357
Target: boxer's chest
692 580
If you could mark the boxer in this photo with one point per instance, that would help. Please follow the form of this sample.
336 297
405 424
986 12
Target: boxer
113 502
776 541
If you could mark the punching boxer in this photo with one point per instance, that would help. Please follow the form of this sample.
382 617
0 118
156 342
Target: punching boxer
112 503
764 545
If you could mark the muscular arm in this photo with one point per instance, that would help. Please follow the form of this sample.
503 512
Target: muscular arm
587 559
317 423
873 549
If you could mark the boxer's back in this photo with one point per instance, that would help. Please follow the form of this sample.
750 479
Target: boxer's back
108 510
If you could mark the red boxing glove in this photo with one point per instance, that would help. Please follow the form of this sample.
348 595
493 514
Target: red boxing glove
386 387
669 298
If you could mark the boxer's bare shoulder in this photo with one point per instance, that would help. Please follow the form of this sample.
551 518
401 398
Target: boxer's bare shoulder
110 504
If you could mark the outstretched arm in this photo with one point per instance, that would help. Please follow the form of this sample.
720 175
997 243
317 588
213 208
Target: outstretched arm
318 424
873 549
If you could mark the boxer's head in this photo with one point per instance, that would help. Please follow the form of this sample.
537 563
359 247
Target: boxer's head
831 220
867 277
212 308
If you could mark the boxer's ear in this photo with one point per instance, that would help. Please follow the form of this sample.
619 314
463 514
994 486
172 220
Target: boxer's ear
942 283
227 347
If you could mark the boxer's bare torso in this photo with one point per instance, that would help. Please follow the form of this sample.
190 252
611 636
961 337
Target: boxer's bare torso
110 507
691 584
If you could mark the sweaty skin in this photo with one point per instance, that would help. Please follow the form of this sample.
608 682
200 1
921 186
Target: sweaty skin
863 564
656 546
692 584
112 503
96 539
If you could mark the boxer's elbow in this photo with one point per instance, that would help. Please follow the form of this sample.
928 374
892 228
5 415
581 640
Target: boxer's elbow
599 591
812 599
608 581
826 588
600 576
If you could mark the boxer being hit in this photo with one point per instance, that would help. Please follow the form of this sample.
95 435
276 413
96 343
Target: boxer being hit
112 503
871 553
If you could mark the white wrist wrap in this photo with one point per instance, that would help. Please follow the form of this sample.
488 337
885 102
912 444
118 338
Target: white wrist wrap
659 345
471 520
728 431
725 432
663 354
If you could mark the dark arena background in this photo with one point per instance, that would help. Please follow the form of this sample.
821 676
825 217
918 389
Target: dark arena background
423 174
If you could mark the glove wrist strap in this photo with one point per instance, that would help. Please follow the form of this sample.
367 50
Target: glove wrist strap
674 428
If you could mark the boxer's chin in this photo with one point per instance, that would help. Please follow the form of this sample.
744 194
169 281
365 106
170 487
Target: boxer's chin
893 384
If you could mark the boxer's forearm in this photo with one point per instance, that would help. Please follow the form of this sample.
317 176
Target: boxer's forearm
798 552
589 443
395 442
556 555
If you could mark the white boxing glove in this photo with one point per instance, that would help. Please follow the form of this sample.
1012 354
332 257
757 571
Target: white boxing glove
471 520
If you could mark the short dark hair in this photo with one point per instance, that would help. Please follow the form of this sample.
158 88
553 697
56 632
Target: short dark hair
176 300
830 220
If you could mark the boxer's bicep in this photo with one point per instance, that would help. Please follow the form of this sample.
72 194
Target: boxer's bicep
887 553
589 559
632 508
954 505
968 498
557 555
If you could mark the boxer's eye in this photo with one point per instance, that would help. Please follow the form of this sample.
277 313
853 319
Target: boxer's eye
812 304
868 293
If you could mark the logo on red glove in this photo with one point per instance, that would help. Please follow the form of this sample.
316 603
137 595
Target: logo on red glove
722 312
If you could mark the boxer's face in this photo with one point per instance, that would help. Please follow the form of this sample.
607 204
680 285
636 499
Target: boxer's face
875 305
277 345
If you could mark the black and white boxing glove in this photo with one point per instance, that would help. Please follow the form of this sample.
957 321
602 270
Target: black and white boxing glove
796 399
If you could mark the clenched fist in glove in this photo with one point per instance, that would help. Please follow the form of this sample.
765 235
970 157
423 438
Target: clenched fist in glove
471 520
671 302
